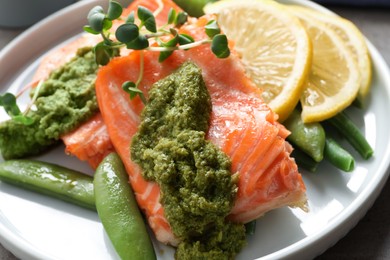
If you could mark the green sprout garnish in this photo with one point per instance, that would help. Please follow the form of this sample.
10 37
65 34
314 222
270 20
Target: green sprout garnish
131 87
8 102
136 32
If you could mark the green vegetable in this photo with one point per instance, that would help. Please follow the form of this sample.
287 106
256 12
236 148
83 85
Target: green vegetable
133 36
8 102
63 101
131 88
352 133
50 179
193 7
118 211
339 157
218 46
304 161
147 19
250 228
359 102
309 137
114 10
197 187
212 28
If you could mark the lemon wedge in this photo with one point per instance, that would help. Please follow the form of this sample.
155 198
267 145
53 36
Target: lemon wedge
334 78
273 46
354 39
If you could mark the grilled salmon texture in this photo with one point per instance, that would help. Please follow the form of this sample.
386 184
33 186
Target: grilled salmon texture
241 125
90 142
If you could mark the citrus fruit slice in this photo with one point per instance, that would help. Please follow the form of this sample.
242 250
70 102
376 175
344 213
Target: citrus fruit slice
273 46
334 78
355 40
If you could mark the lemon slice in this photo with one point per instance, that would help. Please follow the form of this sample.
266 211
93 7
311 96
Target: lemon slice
273 46
334 78
355 40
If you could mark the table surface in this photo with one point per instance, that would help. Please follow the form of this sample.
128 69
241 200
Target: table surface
370 239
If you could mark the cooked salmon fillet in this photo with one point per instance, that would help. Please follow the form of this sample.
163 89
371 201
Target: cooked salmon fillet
242 125
89 142
94 131
61 55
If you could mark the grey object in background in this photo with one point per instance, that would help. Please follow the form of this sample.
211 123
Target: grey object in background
23 13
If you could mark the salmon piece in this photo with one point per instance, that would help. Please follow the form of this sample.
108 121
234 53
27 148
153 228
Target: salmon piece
78 143
241 124
59 56
123 124
90 142
255 142
94 131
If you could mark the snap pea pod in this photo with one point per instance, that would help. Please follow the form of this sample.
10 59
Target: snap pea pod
50 179
308 137
352 133
119 212
193 7
303 160
339 157
250 228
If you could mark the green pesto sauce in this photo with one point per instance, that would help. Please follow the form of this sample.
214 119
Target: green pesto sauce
65 99
197 187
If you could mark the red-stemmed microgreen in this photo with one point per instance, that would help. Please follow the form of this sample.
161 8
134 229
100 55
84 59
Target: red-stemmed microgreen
137 32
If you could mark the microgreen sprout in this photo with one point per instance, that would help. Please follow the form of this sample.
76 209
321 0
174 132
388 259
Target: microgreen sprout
8 102
137 31
131 87
101 23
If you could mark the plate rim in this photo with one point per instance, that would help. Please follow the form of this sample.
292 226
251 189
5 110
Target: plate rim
13 242
323 239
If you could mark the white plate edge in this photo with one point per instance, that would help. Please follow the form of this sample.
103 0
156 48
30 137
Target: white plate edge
369 195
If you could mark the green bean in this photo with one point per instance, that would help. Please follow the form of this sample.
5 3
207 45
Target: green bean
352 133
250 228
50 179
118 211
308 137
359 102
193 7
304 161
339 157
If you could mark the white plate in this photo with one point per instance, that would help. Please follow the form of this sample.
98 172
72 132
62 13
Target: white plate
35 226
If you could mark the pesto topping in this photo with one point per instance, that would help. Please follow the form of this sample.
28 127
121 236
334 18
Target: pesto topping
66 99
197 187
220 243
